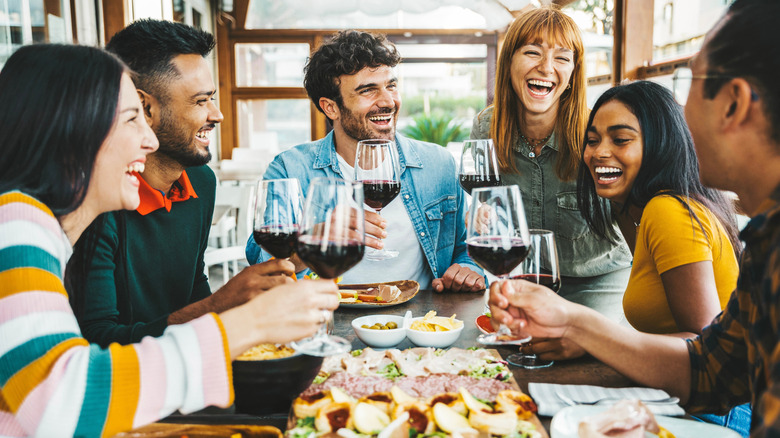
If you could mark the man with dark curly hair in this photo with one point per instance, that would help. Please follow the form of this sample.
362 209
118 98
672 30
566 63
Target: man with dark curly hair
351 79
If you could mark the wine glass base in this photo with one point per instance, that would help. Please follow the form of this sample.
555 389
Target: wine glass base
322 346
529 361
380 254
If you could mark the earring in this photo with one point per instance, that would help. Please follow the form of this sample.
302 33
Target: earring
568 86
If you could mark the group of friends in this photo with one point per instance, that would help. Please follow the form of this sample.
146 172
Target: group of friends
107 319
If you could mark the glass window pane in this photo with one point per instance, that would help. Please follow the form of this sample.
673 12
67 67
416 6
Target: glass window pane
270 65
458 90
273 125
442 50
351 14
680 25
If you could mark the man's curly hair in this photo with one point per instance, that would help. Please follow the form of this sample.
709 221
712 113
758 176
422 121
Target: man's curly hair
347 53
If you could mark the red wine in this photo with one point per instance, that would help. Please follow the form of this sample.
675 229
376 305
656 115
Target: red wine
379 193
332 261
491 254
278 240
541 279
471 182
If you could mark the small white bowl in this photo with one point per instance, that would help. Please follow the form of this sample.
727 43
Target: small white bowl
379 338
434 339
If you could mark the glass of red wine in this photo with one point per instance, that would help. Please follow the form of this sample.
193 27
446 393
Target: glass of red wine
377 167
330 241
497 240
540 267
478 165
278 210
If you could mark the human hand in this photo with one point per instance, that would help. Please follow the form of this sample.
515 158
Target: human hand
251 281
553 348
376 230
459 278
282 314
527 307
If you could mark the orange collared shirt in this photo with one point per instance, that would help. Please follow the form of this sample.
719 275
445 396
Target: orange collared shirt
153 199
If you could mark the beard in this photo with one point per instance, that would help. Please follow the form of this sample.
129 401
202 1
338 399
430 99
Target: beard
359 128
177 144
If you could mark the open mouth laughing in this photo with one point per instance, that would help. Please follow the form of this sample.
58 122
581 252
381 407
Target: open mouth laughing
381 119
606 175
131 169
540 88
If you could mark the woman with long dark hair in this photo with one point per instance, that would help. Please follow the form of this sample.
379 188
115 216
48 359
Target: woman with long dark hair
639 156
537 122
75 133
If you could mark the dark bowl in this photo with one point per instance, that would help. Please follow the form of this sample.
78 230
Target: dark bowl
269 386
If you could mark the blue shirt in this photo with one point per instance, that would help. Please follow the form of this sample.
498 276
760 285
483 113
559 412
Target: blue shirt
429 189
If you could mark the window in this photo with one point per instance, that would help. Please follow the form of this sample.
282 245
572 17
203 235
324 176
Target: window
32 21
270 65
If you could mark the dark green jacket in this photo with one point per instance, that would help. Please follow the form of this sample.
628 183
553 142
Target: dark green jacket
147 267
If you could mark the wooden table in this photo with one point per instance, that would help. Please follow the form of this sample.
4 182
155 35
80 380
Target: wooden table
467 307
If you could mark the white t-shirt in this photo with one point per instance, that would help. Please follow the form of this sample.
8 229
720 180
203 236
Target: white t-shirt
401 236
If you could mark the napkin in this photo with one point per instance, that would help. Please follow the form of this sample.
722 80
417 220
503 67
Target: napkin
548 402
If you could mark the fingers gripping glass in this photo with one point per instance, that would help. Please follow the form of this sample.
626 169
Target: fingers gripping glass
540 267
478 165
278 211
497 240
330 242
378 168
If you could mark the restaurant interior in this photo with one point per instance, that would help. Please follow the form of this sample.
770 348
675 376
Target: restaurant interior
449 50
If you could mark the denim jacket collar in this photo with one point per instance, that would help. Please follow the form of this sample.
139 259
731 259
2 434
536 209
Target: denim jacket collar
326 154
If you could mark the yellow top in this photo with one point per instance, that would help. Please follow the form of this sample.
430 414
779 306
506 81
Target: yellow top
669 237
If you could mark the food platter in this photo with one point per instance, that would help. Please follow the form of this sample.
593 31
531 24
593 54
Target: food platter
173 430
408 289
366 380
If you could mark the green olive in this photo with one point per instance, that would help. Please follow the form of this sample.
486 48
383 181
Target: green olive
365 326
391 325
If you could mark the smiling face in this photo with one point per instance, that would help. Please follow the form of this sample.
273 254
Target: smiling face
114 185
613 151
188 118
540 74
371 102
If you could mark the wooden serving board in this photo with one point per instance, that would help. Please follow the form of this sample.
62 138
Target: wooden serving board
292 420
164 430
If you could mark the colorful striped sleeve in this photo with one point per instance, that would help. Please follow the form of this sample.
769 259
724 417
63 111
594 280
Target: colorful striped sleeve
52 382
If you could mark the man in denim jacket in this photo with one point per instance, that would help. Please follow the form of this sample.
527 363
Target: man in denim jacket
351 80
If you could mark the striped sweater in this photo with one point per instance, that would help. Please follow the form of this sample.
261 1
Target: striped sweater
54 383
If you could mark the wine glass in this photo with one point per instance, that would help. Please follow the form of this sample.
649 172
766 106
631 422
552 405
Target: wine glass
540 267
278 210
377 167
497 240
330 241
478 165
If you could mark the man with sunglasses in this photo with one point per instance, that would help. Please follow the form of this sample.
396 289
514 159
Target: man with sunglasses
733 111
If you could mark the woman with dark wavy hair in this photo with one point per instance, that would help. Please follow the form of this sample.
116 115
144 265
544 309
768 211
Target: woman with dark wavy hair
639 156
537 122
75 134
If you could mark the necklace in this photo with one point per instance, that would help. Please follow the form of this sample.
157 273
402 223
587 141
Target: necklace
533 143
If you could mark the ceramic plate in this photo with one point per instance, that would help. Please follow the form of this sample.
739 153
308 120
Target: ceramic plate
567 420
483 324
409 289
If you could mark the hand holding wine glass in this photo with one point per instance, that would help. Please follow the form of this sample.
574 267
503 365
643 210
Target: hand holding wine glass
377 167
497 240
540 267
278 210
478 165
330 241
